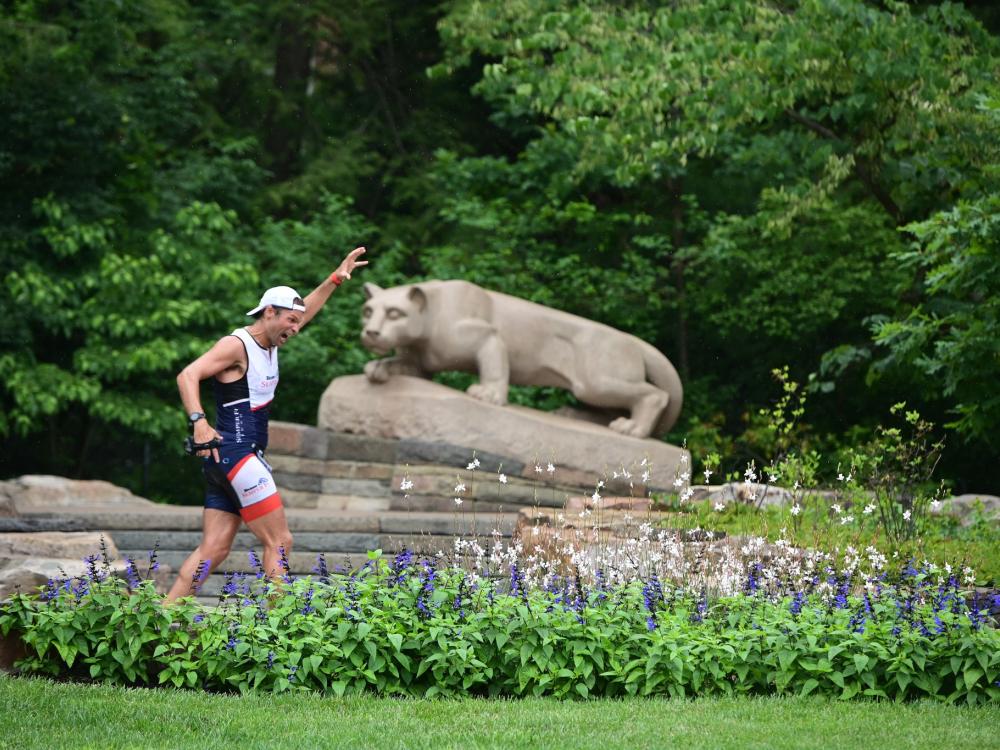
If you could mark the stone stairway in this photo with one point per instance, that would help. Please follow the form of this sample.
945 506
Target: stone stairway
344 496
343 537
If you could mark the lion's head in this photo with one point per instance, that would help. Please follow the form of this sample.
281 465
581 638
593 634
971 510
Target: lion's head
392 317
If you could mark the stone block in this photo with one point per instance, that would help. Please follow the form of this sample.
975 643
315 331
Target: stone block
356 487
35 523
298 482
161 517
284 438
302 541
413 409
27 574
397 524
339 469
34 491
297 499
342 446
73 544
353 503
439 504
447 454
323 521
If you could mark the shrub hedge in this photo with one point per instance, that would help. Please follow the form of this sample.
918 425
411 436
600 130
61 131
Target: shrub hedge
425 629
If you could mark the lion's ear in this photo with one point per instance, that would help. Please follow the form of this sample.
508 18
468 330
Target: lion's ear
418 298
371 290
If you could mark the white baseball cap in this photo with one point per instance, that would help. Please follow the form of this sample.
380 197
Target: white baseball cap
280 296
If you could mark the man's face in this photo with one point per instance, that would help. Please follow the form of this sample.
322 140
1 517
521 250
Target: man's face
281 324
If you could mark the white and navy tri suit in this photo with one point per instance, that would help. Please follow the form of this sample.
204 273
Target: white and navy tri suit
241 482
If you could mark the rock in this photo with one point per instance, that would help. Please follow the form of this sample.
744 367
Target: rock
33 491
413 409
577 503
7 507
963 507
27 574
748 493
73 545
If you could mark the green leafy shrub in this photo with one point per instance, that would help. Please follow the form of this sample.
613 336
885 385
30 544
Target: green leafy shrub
427 628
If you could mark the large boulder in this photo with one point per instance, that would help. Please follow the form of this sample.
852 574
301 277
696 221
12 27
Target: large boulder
964 507
68 544
410 408
33 491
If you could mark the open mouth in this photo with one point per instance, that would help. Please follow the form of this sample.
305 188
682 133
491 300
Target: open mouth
282 338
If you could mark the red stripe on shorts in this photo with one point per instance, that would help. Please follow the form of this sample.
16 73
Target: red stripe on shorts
262 508
239 465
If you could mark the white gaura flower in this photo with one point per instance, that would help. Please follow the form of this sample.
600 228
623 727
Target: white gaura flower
473 465
772 478
406 484
836 508
720 507
707 473
935 504
503 479
645 476
550 468
595 498
459 487
846 520
906 515
796 509
678 482
538 469
458 501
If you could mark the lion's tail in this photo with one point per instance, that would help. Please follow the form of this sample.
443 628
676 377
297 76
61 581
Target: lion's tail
661 373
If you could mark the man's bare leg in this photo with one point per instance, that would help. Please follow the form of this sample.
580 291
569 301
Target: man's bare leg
272 531
218 530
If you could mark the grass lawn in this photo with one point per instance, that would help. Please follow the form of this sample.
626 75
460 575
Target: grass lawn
43 714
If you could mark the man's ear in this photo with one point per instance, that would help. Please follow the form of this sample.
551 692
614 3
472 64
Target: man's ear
371 290
418 297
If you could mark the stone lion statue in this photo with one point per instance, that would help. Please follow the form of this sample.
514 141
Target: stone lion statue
435 326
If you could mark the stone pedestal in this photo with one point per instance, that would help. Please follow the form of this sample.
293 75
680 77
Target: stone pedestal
413 409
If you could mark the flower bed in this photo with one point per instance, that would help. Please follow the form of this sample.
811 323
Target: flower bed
426 628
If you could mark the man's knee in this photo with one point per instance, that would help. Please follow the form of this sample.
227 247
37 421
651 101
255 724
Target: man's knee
216 550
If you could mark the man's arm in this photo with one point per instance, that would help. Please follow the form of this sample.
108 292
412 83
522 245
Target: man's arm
226 353
318 296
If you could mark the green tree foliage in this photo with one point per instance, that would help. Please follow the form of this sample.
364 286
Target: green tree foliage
744 183
759 167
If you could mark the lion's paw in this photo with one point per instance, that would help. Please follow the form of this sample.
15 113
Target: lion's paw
491 394
627 426
377 371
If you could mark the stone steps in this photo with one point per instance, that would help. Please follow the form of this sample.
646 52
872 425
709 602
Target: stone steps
342 537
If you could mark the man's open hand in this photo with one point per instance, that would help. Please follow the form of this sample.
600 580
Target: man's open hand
348 264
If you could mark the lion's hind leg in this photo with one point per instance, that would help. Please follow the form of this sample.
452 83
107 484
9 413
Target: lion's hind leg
644 401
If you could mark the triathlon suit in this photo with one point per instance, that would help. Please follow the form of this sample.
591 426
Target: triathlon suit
241 482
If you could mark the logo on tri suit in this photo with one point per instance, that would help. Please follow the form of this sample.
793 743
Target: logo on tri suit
254 489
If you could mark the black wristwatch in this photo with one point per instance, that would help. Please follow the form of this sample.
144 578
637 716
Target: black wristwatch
195 416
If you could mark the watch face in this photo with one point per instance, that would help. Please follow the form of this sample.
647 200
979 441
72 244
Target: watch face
195 416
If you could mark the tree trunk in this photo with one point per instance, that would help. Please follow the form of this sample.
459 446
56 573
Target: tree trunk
677 270
286 119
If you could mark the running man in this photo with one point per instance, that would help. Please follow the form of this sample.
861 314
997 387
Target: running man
244 371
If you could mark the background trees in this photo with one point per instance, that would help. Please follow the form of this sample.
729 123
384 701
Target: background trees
745 184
